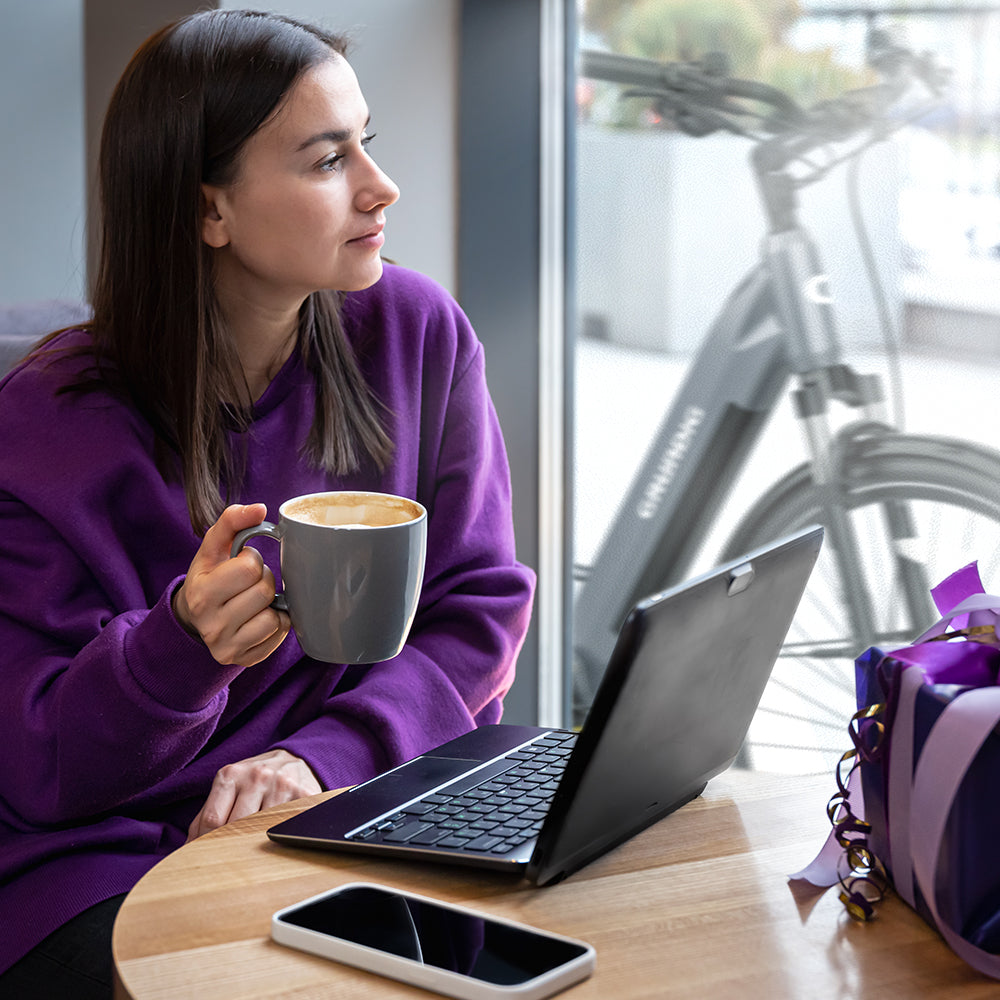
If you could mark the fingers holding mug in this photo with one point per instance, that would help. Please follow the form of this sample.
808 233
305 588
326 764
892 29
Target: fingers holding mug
251 626
226 602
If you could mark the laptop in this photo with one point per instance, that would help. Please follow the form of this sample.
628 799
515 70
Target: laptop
671 712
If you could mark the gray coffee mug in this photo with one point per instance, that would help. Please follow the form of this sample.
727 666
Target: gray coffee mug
352 565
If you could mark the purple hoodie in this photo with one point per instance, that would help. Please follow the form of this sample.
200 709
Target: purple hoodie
115 720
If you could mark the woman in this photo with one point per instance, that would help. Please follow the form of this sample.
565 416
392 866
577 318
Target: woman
149 691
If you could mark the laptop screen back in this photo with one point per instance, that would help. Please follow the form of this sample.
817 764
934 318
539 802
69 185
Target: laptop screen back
675 702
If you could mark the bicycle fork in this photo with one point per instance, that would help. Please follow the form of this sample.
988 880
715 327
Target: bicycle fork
806 306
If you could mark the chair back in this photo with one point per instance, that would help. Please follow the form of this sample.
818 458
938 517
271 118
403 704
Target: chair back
22 325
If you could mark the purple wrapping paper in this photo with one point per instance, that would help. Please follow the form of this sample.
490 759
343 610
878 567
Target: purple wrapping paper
969 865
968 872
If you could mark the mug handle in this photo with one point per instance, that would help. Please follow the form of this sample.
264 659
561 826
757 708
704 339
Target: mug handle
269 530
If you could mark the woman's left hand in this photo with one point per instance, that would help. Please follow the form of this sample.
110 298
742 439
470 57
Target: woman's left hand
248 786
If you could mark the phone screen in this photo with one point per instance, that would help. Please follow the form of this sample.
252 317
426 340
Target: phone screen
435 935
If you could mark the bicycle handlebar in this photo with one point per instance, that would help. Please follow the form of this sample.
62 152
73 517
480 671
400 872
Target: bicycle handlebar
707 78
703 98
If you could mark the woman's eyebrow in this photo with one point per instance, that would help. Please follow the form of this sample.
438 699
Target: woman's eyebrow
332 135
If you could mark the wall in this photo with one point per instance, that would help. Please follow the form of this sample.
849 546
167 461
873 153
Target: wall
42 213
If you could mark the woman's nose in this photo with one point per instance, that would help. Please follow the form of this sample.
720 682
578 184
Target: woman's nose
378 188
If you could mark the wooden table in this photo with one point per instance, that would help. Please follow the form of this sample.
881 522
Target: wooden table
697 906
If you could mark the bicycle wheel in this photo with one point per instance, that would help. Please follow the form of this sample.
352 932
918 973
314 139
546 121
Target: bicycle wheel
942 498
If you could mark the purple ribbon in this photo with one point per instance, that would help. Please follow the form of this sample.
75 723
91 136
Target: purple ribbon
949 749
963 583
898 796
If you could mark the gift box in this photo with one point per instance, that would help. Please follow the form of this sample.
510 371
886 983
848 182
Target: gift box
968 868
919 808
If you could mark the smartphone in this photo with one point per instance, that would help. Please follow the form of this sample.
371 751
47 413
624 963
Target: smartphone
442 947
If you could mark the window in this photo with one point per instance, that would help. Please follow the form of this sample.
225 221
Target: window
701 334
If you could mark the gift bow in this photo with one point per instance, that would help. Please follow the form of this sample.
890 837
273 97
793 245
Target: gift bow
961 602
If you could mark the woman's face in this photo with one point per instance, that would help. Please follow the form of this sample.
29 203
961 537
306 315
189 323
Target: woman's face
307 207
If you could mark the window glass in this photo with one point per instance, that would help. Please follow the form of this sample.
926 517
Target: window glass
787 310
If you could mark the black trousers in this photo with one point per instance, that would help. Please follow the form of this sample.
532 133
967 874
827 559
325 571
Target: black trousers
72 963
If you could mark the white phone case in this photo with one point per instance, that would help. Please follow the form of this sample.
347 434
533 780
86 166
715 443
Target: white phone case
408 970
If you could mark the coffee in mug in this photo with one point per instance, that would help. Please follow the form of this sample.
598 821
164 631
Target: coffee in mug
373 510
352 564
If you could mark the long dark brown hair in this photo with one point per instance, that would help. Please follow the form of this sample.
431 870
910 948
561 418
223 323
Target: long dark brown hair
187 102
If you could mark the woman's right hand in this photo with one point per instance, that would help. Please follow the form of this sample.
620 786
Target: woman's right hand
226 602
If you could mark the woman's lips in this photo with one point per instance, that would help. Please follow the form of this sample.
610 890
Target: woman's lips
372 239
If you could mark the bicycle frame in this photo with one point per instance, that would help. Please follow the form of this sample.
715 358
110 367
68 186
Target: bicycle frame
776 324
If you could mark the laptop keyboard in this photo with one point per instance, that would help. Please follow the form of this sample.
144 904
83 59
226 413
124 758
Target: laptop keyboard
494 810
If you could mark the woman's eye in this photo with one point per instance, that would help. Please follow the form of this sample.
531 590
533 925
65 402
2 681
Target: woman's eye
333 161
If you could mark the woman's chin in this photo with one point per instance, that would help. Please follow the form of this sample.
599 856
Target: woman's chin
361 278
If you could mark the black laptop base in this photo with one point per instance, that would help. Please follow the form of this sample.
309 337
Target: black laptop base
444 798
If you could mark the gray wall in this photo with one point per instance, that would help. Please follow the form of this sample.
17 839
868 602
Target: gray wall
42 214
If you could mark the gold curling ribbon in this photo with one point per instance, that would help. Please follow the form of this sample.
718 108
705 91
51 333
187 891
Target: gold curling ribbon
865 883
986 634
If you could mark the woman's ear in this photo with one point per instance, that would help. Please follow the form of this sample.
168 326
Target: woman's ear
213 225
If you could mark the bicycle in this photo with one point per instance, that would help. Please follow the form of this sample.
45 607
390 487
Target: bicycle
900 510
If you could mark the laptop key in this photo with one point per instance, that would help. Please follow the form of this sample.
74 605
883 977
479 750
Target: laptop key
405 832
518 823
524 787
486 823
455 840
420 808
437 818
506 831
485 843
528 801
428 837
496 800
549 742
